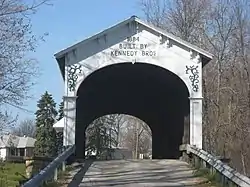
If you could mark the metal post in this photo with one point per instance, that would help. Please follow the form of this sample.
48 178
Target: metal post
55 174
63 166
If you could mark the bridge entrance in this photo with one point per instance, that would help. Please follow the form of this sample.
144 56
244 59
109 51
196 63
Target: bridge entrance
151 93
135 69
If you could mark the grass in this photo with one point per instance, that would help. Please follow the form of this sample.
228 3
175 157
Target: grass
62 175
11 174
212 179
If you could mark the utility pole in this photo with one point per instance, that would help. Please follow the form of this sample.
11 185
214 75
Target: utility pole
105 138
110 142
137 141
98 141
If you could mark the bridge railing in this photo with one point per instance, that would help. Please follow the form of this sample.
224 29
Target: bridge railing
51 170
201 159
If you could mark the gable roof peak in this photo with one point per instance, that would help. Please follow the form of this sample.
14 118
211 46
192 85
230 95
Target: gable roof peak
206 55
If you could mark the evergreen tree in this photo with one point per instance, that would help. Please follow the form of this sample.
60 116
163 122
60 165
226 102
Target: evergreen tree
61 111
59 135
45 144
100 135
96 137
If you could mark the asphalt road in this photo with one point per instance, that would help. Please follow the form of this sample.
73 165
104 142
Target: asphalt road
134 173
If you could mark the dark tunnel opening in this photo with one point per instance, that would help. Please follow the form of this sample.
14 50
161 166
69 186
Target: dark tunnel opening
151 93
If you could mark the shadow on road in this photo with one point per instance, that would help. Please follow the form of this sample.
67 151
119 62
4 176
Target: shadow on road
80 174
157 173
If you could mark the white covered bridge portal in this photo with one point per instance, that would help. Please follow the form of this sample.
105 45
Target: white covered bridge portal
134 68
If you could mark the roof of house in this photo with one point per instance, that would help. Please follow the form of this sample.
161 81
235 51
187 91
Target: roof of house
59 124
206 55
9 140
26 142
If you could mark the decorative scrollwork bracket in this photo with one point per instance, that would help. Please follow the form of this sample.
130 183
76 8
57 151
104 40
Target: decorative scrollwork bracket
195 56
194 77
73 72
165 41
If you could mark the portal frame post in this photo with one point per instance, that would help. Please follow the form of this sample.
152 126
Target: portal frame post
69 120
196 122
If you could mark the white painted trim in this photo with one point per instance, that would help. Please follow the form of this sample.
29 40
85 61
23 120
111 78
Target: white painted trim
134 18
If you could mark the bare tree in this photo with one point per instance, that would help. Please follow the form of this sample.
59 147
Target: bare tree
180 17
242 50
25 128
6 122
115 123
223 28
17 70
155 11
136 136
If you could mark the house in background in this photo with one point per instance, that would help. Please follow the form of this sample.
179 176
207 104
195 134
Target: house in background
13 146
59 125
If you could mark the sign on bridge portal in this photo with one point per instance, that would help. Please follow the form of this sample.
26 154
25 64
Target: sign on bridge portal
132 47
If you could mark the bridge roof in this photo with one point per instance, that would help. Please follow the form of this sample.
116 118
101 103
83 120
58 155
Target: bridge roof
205 56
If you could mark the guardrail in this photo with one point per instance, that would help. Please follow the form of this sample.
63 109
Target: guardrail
227 176
50 170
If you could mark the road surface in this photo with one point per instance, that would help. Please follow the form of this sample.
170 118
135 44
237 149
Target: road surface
133 173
